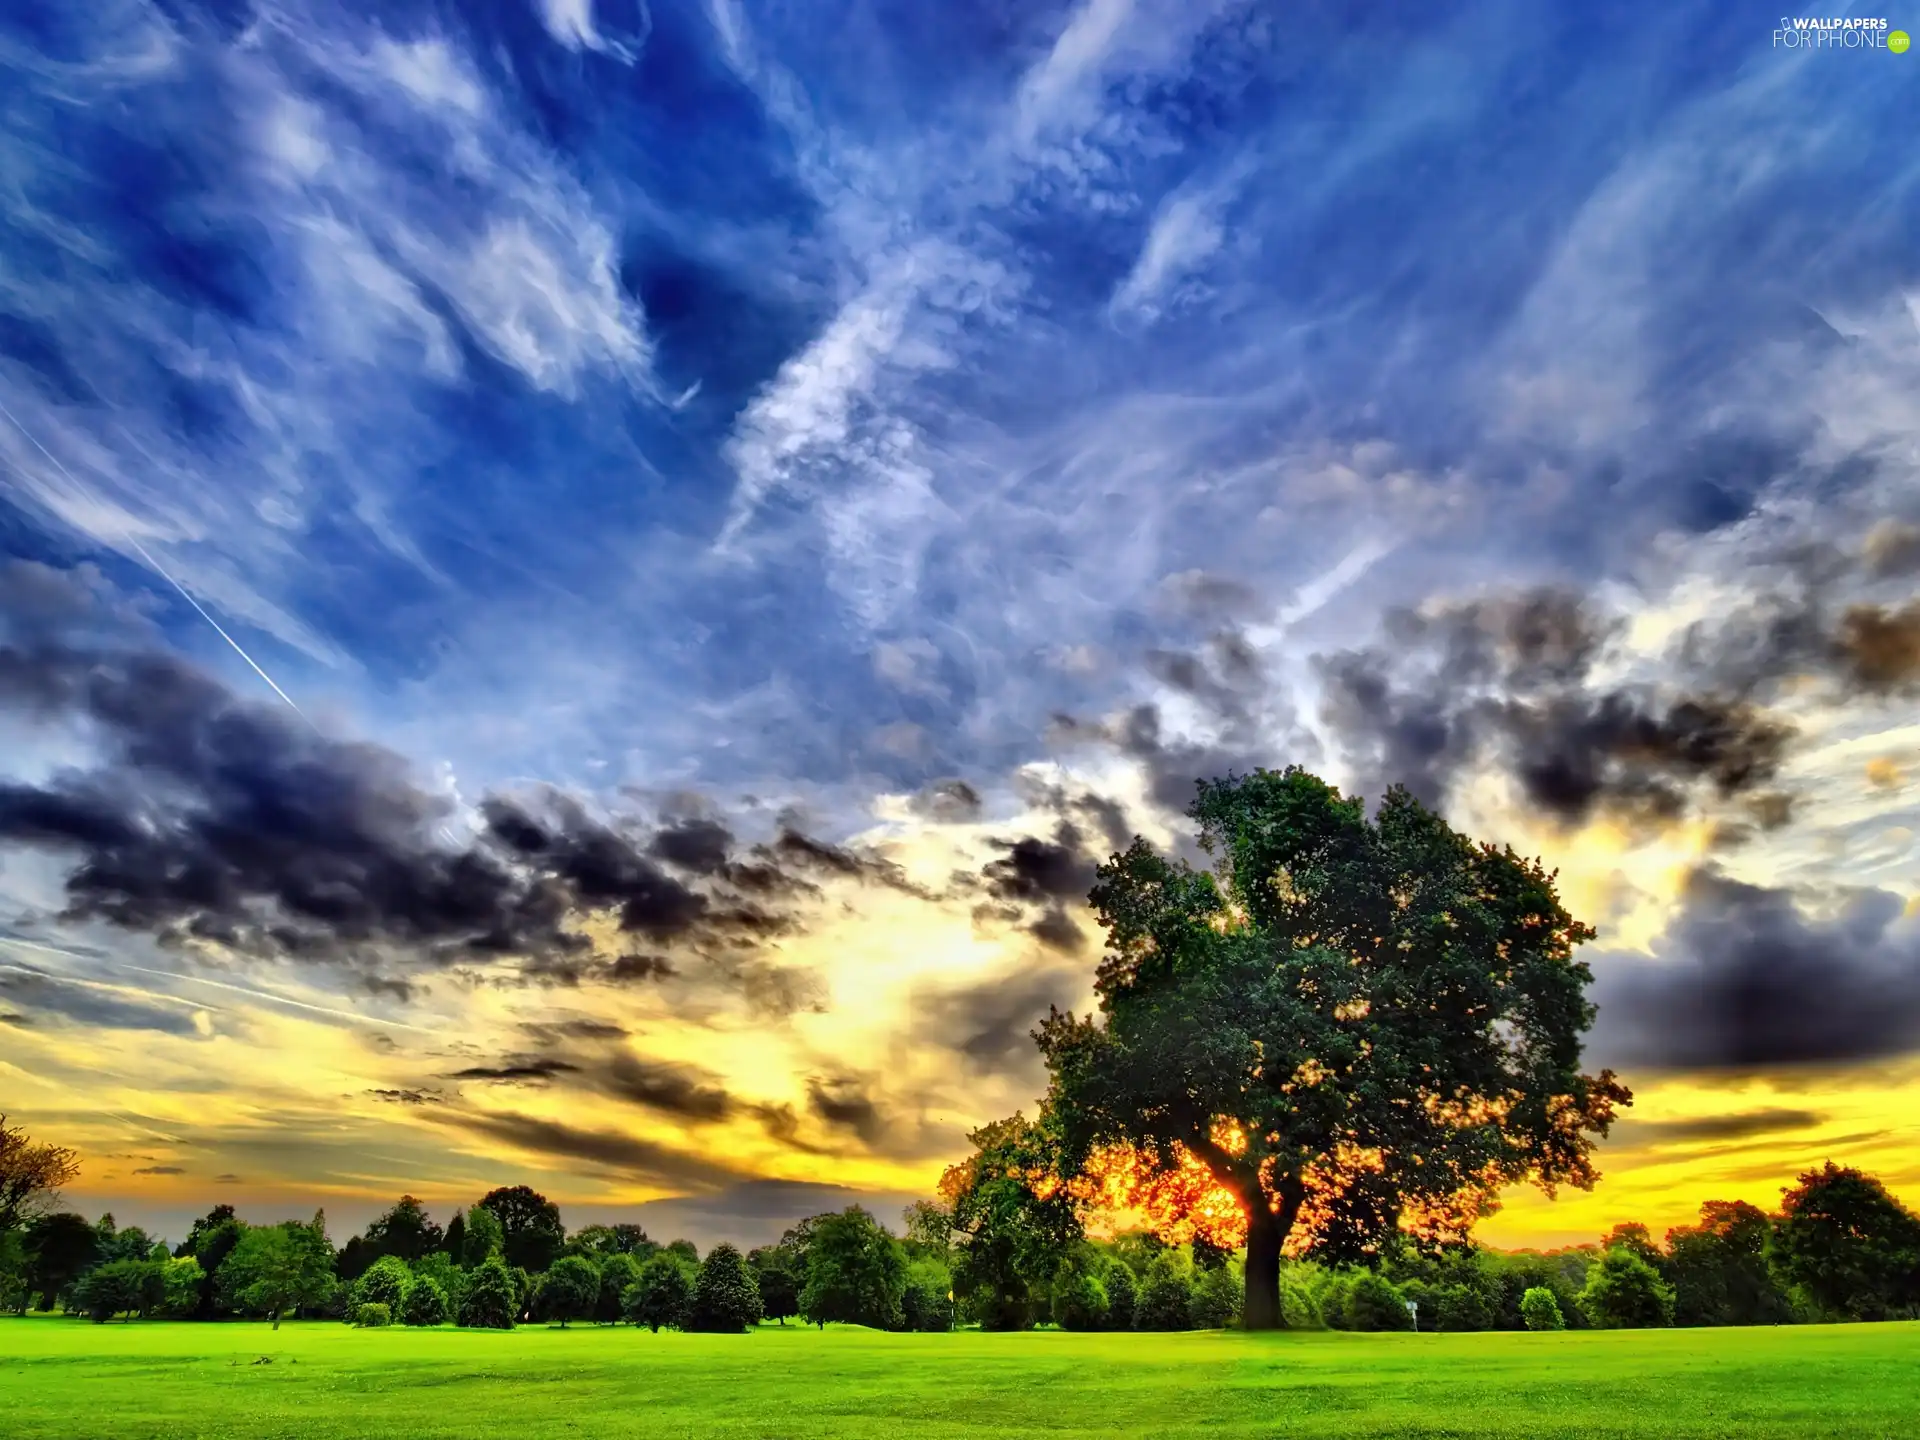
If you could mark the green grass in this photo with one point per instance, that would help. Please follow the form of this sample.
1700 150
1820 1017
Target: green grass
70 1379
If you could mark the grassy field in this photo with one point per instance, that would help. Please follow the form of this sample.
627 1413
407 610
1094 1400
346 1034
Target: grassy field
69 1379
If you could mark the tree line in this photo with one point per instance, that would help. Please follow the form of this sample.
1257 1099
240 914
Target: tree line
1315 1064
986 1253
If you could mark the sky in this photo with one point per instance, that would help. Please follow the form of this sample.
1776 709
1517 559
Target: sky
583 583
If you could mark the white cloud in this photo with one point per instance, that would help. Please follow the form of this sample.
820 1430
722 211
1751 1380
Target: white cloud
1186 232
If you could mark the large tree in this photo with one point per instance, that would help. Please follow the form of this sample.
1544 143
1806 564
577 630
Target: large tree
530 1226
276 1270
856 1272
1015 1221
1356 1025
31 1175
1848 1245
60 1248
1719 1268
406 1231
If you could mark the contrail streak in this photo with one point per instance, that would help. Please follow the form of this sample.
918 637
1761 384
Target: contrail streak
160 570
352 1015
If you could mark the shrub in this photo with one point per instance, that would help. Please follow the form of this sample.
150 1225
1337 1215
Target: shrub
1080 1302
1121 1294
372 1315
491 1301
725 1300
1165 1301
1217 1295
1373 1303
426 1303
1540 1310
386 1282
1298 1308
927 1303
1462 1307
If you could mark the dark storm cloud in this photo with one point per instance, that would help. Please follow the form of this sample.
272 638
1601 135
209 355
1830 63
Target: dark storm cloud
1058 930
990 1025
1174 768
1891 549
407 1097
1746 979
10 1017
218 819
578 1028
627 1154
519 1070
1036 870
845 1103
1741 1126
676 1090
948 802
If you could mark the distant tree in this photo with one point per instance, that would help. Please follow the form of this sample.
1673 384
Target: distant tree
1318 1031
929 1230
492 1302
31 1174
618 1270
120 1287
599 1241
60 1248
726 1299
1848 1245
1165 1301
1016 1224
213 1238
485 1239
406 1231
116 1243
532 1234
779 1290
1374 1303
1120 1288
386 1282
927 1302
182 1282
1635 1237
356 1257
1080 1301
1217 1292
14 1295
1540 1310
453 1242
684 1251
277 1270
660 1296
426 1303
570 1290
1624 1292
856 1273
1719 1269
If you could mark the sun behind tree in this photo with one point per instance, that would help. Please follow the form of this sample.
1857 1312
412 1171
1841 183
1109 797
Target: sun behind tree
1359 1026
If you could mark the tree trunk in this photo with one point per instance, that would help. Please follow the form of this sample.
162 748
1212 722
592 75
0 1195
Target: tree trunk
276 1319
1262 1307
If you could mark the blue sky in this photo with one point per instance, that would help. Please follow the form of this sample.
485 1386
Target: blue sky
774 411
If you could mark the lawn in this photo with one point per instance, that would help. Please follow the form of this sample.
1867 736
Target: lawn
70 1379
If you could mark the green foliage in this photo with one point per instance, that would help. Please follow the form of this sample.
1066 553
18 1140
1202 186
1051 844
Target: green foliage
1016 1227
372 1316
660 1295
570 1290
426 1303
856 1273
120 1287
684 1251
492 1301
597 1242
1165 1301
1719 1269
212 1239
485 1238
531 1233
441 1270
726 1300
929 1230
779 1291
1410 971
60 1247
1850 1246
1217 1293
927 1302
1080 1302
385 1282
453 1243
1540 1310
618 1270
406 1231
1299 1307
1458 1307
1373 1302
276 1270
1624 1292
1121 1290
13 1271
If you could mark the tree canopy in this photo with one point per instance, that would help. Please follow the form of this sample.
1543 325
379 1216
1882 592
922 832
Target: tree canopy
31 1175
1357 1024
531 1232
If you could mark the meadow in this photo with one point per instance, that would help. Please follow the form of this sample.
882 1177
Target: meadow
67 1379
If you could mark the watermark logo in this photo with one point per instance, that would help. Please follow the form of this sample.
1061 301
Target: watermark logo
1845 33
